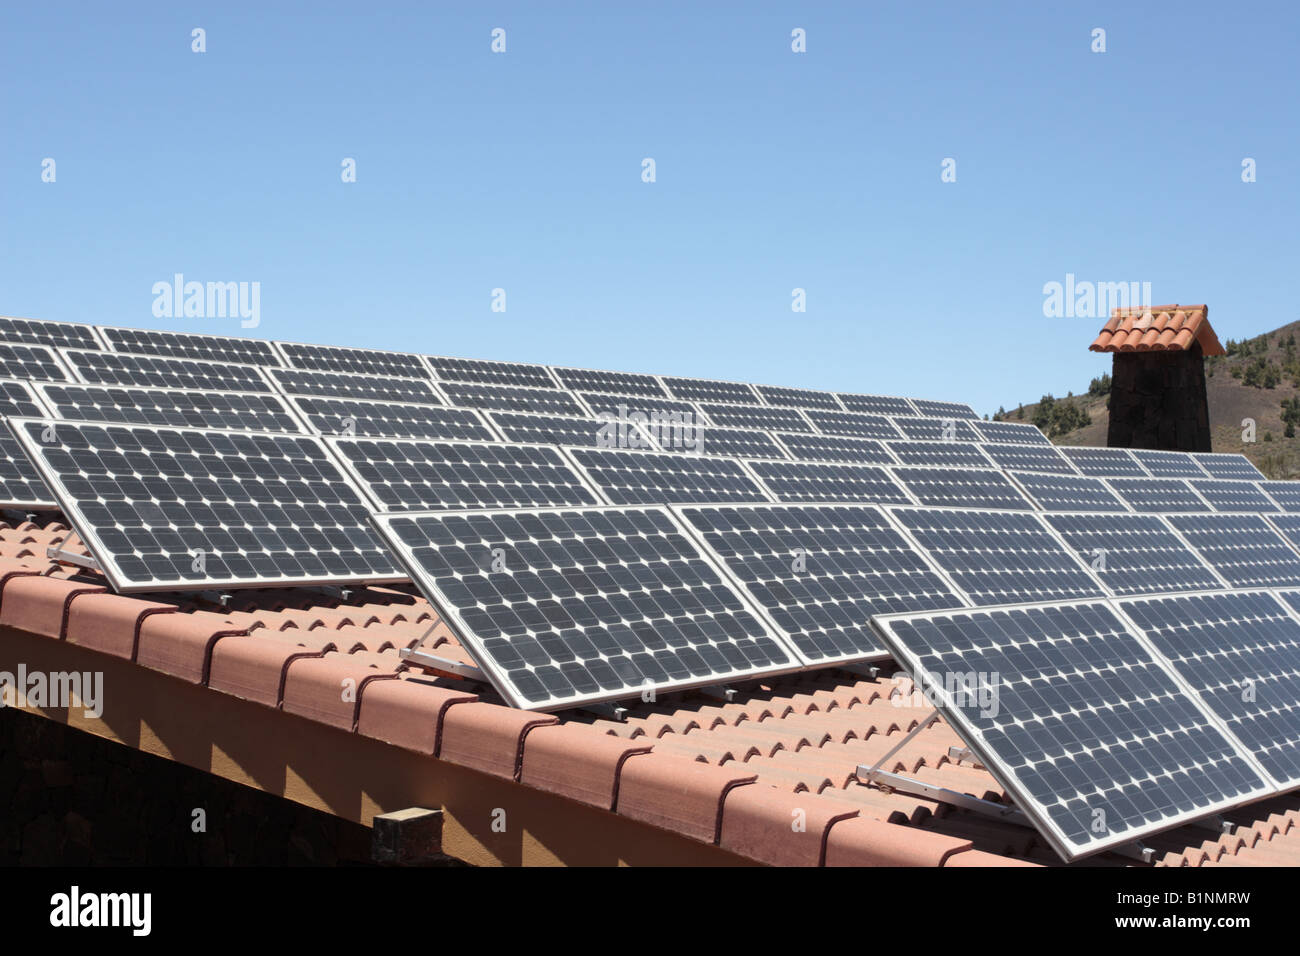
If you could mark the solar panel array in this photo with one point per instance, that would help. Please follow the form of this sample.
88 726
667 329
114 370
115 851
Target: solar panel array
672 532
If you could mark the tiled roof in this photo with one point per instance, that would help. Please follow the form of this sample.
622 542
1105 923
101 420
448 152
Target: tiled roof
731 774
1158 328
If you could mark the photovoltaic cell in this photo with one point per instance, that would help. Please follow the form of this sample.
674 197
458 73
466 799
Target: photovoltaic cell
837 448
853 424
1044 458
1228 466
998 557
562 430
430 476
21 484
174 407
797 397
355 416
936 429
337 358
1104 462
821 571
604 404
621 383
1134 554
941 453
935 409
647 478
821 481
156 371
1091 735
490 373
1011 433
1166 495
513 398
293 381
1067 492
211 348
730 442
1168 464
42 332
562 608
876 404
756 416
30 362
1241 654
1244 550
707 390
164 508
1288 526
1285 493
962 488
1240 496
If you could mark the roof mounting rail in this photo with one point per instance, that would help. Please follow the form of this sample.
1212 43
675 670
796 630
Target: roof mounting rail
1215 824
893 782
958 754
445 664
56 553
608 709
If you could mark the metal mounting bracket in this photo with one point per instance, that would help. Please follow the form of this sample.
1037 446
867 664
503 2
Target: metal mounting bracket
55 553
444 664
869 671
958 754
606 709
1215 824
718 692
1135 851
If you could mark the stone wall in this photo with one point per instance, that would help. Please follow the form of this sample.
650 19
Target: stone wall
1157 400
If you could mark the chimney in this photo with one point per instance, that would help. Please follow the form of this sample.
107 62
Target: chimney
1157 391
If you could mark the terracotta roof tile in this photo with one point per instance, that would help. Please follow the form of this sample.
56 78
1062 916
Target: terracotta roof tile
40 604
110 623
1158 328
254 668
678 794
867 842
578 762
488 737
408 712
778 827
181 644
329 689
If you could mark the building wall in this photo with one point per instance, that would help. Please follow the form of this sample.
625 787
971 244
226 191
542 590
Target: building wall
1158 400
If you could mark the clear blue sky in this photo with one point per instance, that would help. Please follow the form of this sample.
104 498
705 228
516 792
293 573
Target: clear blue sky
775 170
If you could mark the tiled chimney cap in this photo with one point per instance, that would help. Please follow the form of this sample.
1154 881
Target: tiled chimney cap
1158 328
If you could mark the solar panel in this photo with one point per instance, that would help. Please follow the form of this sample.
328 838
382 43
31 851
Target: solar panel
178 408
1134 554
1288 526
1285 493
948 453
1011 433
355 416
156 371
337 358
797 397
853 424
730 442
1104 462
1165 495
962 488
1168 464
21 485
1086 730
1067 492
626 477
561 608
30 362
621 383
1228 466
601 403
43 332
936 429
513 398
820 571
562 430
293 381
490 373
1044 458
998 557
431 476
821 481
756 416
164 508
211 348
1228 495
1240 653
1244 550
707 390
935 409
860 451
876 404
